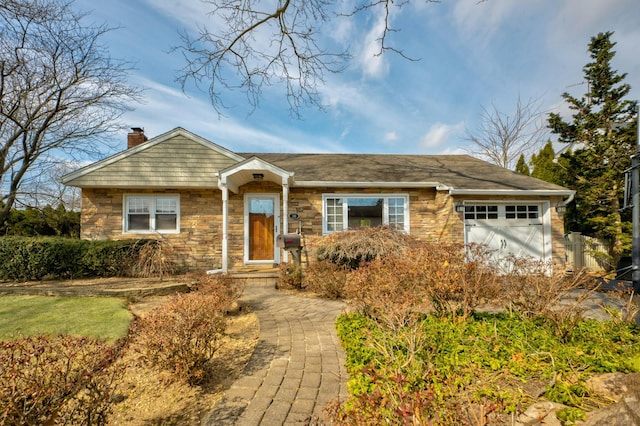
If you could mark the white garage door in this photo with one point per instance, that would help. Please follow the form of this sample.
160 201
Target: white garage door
506 228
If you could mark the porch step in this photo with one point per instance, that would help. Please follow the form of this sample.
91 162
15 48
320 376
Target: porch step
257 277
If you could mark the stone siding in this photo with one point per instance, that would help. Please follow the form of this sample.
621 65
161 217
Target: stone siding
197 246
199 243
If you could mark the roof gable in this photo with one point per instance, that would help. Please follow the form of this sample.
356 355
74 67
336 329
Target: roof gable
177 158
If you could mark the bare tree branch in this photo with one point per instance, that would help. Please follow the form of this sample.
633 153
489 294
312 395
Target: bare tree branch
278 42
501 138
59 89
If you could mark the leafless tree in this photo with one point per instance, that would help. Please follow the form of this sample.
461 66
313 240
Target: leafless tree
60 90
42 185
264 43
501 138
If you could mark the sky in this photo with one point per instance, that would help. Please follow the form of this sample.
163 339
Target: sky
470 55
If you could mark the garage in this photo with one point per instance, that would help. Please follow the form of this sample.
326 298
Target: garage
518 229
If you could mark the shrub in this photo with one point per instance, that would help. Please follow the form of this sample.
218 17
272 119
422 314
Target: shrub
536 288
326 279
64 379
290 276
31 258
459 278
223 287
152 259
182 335
440 276
388 289
105 258
352 248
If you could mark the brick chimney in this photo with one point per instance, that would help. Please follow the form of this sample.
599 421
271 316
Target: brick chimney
136 137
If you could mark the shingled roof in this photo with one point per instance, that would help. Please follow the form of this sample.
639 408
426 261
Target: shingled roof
460 172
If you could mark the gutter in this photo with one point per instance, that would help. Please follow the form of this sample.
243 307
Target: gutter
368 184
528 192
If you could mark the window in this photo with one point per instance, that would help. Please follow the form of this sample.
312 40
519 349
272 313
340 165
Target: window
531 212
480 212
151 213
356 211
521 212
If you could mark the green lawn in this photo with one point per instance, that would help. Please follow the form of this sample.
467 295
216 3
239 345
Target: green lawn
101 317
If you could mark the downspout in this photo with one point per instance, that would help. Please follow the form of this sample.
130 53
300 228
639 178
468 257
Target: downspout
570 199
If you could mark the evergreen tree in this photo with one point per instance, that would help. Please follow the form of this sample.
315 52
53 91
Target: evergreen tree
522 167
546 167
602 133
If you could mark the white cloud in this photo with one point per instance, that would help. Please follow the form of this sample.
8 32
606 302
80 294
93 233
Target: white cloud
482 19
373 64
391 136
191 14
166 108
440 134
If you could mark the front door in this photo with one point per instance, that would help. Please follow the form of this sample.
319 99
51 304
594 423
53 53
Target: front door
261 227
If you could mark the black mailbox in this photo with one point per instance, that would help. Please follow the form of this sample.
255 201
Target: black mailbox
288 241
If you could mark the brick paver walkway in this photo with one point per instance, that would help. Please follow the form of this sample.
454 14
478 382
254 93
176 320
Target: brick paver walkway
297 367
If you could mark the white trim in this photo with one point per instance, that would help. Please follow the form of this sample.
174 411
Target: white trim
153 197
285 216
225 227
276 226
254 163
514 192
547 236
385 208
178 131
233 176
377 184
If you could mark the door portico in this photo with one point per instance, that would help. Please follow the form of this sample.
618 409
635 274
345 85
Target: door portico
262 218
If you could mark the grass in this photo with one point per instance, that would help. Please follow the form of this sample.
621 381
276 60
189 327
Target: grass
100 317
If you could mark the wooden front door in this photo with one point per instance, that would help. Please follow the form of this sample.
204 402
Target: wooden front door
261 226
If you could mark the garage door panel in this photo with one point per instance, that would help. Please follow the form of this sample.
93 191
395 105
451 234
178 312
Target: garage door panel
526 241
514 230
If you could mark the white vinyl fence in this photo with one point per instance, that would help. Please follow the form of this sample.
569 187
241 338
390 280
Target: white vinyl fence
587 252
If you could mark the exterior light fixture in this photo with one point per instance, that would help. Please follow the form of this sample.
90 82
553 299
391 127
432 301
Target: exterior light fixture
561 208
258 176
459 206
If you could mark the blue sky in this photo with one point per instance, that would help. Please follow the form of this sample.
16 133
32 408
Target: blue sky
472 54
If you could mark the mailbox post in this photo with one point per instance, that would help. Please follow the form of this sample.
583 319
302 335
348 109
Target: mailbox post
293 244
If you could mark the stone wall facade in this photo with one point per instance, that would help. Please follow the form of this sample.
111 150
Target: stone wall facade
199 243
197 246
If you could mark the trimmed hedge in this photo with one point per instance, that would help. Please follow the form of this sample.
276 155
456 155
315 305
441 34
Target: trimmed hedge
37 258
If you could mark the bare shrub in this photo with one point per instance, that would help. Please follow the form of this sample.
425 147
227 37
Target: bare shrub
433 276
326 279
536 288
224 287
182 336
290 276
389 290
351 248
459 278
153 259
628 306
63 379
